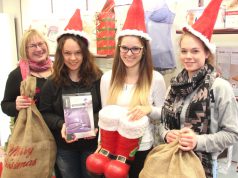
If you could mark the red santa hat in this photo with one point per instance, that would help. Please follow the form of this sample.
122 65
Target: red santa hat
135 21
75 26
203 27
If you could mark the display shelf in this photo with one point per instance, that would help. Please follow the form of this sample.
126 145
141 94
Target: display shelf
219 31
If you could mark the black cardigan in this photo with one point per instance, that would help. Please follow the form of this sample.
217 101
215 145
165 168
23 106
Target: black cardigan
12 90
51 108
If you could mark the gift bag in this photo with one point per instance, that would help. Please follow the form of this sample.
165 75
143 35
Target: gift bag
31 151
106 30
168 161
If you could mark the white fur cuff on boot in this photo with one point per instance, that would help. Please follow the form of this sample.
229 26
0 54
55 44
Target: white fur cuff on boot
109 117
133 129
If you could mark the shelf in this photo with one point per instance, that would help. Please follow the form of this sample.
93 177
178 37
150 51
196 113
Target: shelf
219 31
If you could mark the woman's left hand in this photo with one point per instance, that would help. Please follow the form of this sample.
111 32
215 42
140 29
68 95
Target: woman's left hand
187 140
23 102
138 112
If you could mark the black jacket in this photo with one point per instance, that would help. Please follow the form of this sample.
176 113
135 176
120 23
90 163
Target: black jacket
51 108
12 90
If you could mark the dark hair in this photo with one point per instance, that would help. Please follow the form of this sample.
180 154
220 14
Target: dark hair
89 71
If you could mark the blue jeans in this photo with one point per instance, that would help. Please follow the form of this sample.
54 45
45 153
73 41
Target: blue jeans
214 168
72 164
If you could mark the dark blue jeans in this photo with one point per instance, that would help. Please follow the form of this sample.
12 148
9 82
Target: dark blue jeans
138 163
72 164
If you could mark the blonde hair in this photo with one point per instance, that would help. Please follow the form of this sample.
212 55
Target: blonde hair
27 36
141 92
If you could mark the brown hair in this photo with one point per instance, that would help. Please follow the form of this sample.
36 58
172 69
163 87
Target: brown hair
89 71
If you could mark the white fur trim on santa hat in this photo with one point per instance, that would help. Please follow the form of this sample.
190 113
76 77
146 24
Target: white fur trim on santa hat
133 129
109 117
211 47
74 32
133 33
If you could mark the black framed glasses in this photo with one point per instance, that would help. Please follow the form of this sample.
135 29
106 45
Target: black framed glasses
34 46
134 50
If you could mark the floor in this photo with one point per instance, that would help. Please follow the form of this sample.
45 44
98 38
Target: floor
227 172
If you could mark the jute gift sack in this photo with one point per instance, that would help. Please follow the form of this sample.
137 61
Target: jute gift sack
31 151
168 161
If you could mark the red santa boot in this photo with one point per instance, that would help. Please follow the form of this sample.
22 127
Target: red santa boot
130 134
109 118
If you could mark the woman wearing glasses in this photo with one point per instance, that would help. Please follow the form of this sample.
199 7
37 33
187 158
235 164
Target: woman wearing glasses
132 83
35 61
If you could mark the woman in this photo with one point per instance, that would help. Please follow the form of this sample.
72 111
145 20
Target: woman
74 72
132 83
200 108
35 61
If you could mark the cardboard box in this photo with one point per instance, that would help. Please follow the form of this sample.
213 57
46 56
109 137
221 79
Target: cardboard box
227 65
231 14
194 14
231 19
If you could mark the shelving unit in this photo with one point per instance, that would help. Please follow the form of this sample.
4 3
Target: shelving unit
219 31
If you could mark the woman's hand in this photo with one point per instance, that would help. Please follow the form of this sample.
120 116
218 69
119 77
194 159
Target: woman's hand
138 112
23 102
171 136
188 139
64 136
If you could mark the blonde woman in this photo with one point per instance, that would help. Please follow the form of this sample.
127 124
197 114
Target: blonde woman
34 61
134 84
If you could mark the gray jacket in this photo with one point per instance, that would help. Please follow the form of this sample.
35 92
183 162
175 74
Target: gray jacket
224 120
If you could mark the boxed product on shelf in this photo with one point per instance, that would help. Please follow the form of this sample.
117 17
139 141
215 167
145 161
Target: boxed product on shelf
195 13
231 19
227 65
231 14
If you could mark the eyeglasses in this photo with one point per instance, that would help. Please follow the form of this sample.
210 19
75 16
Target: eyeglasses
134 50
34 46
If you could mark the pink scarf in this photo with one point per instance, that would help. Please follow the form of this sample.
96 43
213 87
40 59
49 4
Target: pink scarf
27 65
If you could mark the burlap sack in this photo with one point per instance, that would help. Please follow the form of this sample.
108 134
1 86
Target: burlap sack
31 151
168 161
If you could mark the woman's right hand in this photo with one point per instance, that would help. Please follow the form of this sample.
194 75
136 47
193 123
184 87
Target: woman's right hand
23 102
138 112
171 136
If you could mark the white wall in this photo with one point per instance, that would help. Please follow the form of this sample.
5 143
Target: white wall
0 5
10 20
9 61
12 7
